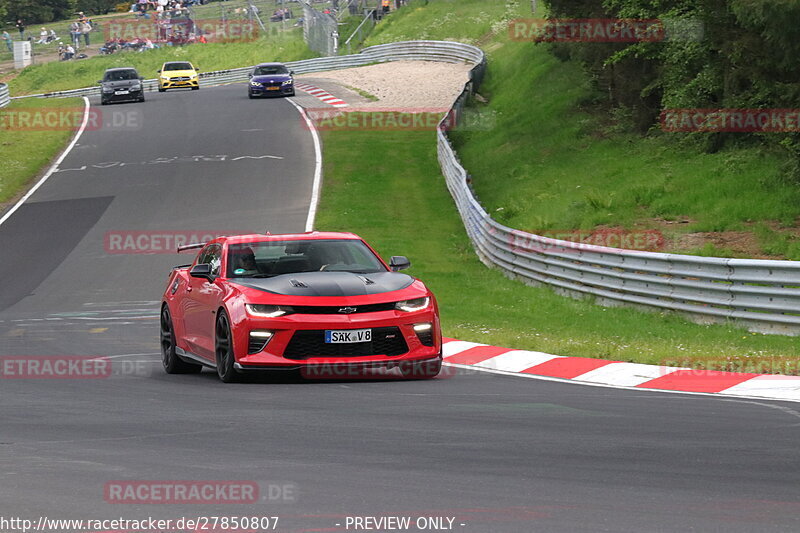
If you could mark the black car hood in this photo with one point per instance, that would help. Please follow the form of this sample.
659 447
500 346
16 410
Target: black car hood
271 78
328 283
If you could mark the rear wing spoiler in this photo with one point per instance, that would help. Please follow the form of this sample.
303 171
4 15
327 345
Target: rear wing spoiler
193 246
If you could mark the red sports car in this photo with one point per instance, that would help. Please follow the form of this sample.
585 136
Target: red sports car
315 301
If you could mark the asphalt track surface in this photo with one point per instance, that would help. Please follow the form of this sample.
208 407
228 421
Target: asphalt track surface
496 453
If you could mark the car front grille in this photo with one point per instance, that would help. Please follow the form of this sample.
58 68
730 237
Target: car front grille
341 309
311 343
183 78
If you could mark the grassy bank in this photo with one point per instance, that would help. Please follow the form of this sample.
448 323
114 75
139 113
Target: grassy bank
62 75
25 153
387 187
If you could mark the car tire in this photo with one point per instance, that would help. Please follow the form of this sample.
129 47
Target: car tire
141 98
103 102
250 95
424 370
223 348
196 88
161 89
169 358
292 94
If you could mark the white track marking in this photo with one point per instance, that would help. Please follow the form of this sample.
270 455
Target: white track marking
312 208
54 167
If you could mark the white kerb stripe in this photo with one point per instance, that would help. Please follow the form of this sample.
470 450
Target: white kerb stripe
625 374
516 360
455 347
775 387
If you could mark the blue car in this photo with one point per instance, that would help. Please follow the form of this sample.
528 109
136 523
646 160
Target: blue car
271 79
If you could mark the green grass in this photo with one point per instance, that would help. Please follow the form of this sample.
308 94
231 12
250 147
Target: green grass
387 187
25 153
59 76
550 165
447 20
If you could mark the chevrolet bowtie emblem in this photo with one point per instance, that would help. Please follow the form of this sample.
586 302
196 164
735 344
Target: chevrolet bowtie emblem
347 310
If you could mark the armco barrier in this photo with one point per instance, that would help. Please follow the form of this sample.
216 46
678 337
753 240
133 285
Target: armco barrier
4 96
759 294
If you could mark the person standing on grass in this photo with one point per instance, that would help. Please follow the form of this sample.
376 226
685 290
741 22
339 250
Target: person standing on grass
21 27
7 38
75 33
85 29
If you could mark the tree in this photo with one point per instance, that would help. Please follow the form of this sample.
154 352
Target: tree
38 11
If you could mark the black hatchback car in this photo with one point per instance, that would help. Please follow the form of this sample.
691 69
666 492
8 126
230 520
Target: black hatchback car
121 85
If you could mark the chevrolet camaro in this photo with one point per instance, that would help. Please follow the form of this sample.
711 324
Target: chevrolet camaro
310 302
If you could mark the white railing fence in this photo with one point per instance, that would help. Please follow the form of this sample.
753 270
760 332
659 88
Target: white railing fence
5 98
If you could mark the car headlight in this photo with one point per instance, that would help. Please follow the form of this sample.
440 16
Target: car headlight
193 76
255 84
165 78
108 90
417 304
288 82
268 311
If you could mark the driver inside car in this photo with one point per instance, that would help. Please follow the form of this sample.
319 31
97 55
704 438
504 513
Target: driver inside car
244 262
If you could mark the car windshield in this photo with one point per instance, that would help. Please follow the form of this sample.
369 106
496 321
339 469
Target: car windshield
273 258
271 69
120 75
178 66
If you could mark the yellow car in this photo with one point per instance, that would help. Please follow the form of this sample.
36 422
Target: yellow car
178 75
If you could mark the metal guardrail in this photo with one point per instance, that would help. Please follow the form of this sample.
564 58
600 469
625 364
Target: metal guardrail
762 295
5 98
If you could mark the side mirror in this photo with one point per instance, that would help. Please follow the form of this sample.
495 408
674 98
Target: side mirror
99 81
203 270
399 262
291 72
141 78
159 71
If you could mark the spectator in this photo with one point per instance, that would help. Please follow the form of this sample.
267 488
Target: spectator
7 38
75 33
21 27
42 36
69 52
52 36
85 29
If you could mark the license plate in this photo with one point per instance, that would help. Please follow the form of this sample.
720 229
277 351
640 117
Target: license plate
347 336
121 92
273 88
